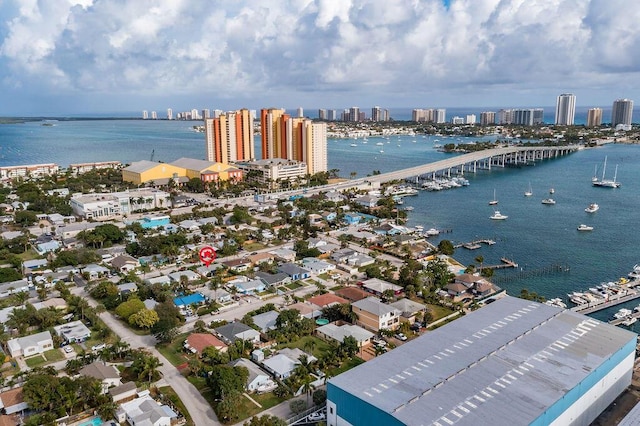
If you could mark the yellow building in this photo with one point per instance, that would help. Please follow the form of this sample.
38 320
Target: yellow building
146 171
181 171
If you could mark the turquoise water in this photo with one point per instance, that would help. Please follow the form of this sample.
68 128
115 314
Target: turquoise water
535 235
96 421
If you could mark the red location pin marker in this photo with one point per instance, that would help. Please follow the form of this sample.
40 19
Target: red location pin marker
207 255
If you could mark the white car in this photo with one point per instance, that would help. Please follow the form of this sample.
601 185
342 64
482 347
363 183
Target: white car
401 336
68 349
314 417
98 347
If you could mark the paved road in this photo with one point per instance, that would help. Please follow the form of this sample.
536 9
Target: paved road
198 407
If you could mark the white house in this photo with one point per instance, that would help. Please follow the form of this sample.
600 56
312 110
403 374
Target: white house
108 375
30 345
73 332
258 380
145 411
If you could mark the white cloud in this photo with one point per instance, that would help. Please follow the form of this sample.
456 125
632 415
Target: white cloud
374 50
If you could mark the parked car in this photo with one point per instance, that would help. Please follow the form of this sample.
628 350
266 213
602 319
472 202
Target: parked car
68 349
98 347
314 417
400 336
379 342
415 326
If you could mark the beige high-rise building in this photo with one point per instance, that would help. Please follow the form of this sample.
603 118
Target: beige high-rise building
594 117
487 118
229 137
297 139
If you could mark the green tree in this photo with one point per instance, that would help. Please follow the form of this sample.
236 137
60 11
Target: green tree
446 247
25 217
130 307
224 380
319 397
298 406
144 318
265 420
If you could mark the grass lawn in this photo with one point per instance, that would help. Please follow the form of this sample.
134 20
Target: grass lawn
35 361
173 352
54 355
353 362
253 246
29 255
324 276
438 311
320 346
267 400
293 286
175 399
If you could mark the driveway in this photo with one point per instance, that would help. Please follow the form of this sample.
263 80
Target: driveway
198 407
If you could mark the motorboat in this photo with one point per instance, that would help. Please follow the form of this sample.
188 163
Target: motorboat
498 216
379 143
556 302
552 191
584 227
629 321
354 144
622 313
593 207
432 232
635 273
549 201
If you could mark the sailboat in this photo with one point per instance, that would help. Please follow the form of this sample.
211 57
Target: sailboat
606 183
528 192
494 201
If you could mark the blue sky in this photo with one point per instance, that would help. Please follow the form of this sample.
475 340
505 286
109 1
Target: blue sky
94 56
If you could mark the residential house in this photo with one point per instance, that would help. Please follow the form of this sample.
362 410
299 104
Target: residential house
277 279
12 402
306 309
189 225
329 216
352 218
368 201
190 276
342 255
284 363
327 299
260 258
48 247
317 266
258 381
409 309
284 254
13 287
127 288
335 196
108 375
238 265
247 286
95 271
352 294
29 265
27 346
73 332
375 315
339 332
145 411
266 321
294 271
124 392
198 342
162 280
124 263
378 287
315 219
233 331
360 259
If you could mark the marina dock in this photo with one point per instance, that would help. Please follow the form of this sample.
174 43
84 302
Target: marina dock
473 245
506 263
613 300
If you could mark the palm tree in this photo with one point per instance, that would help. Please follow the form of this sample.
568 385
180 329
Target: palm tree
480 260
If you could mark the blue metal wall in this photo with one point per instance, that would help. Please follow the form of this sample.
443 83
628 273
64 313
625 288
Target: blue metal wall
356 411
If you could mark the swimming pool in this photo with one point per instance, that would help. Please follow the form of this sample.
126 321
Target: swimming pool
96 421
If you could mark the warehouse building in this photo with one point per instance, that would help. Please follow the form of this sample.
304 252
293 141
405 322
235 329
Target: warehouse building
511 362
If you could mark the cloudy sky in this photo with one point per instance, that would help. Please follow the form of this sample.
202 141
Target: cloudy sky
96 56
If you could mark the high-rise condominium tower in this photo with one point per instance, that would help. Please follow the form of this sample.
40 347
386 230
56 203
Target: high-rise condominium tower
297 139
622 112
594 117
565 109
229 137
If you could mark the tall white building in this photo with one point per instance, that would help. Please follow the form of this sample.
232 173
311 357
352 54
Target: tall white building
169 114
300 112
145 114
440 115
565 109
154 115
470 119
622 112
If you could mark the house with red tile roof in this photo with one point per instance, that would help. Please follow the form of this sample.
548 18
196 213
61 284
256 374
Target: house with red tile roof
327 299
197 342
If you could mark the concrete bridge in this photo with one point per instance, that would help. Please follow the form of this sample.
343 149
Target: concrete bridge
481 160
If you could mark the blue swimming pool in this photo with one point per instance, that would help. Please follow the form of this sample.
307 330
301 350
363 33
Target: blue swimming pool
191 299
96 421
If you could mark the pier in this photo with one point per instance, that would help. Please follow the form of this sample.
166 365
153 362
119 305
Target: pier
473 245
622 320
506 263
613 300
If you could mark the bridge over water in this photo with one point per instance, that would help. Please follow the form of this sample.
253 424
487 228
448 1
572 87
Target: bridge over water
481 160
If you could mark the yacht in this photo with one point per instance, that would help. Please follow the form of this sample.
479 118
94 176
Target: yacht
629 321
606 183
593 207
548 201
432 232
498 216
528 192
552 191
584 227
635 274
556 302
354 144
622 313
379 143
493 201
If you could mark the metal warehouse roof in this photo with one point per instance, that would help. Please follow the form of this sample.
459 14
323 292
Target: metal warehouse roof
503 364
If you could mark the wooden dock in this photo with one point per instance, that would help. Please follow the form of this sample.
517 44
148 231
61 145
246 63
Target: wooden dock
506 263
473 245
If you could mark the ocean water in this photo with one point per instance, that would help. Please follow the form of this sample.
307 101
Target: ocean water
536 236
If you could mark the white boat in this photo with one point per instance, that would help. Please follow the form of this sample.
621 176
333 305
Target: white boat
584 227
379 143
549 201
528 192
552 191
606 183
354 144
556 302
593 207
382 151
635 274
494 201
629 321
408 208
498 216
432 232
622 313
